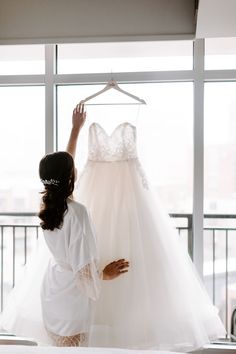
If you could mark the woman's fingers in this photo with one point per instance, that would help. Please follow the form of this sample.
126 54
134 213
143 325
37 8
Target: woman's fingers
123 266
80 108
121 261
123 271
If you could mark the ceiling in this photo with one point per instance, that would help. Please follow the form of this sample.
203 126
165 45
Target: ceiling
29 22
216 18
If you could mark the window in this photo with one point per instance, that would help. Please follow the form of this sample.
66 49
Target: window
220 53
220 147
22 140
167 117
125 57
220 196
22 59
165 134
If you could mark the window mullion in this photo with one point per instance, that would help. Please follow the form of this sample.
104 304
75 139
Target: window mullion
198 161
50 122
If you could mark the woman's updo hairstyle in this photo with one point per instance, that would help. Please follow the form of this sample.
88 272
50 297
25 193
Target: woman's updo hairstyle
57 173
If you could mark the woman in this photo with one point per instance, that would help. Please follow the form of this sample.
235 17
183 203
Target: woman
72 281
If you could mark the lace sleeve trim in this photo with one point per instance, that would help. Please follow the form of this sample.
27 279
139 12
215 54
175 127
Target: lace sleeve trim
88 280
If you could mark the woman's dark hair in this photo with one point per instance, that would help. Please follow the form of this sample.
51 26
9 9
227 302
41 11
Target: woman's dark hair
57 173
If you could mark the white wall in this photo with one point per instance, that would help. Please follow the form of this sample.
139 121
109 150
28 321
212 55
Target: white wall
56 21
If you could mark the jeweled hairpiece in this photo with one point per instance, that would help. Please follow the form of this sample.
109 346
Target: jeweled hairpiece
50 182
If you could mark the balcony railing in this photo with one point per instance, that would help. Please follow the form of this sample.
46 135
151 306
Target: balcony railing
17 233
18 236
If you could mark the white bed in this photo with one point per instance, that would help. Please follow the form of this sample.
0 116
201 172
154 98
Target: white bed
21 349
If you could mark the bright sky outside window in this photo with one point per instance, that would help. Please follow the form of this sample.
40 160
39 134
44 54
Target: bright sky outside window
125 57
220 191
167 117
22 137
220 53
22 59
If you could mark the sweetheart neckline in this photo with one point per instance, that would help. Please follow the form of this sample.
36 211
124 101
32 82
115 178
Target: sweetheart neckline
114 130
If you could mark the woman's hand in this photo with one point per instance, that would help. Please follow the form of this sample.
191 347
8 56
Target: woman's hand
115 269
78 117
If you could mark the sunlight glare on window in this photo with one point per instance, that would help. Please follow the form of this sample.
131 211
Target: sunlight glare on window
23 140
125 57
168 166
22 59
220 53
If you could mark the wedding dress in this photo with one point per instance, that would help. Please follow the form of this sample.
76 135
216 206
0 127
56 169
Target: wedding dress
160 303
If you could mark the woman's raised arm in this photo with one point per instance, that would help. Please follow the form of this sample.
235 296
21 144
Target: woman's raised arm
78 119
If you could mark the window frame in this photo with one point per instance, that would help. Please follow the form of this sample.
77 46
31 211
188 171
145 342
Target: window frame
198 75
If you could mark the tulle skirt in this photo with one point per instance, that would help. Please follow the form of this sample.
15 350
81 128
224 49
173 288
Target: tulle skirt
160 303
22 313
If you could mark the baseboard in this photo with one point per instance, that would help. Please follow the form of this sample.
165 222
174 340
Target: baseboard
224 348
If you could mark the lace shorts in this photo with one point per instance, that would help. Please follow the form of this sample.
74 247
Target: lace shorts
77 340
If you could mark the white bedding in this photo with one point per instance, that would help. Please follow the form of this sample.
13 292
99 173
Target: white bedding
21 349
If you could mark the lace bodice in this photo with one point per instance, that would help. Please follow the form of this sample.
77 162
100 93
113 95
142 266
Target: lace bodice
120 145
